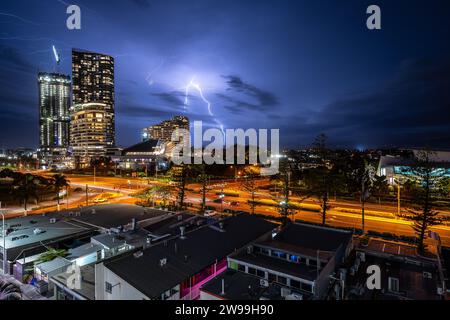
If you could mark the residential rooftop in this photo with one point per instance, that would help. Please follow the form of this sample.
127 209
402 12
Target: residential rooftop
416 280
186 257
26 232
114 215
87 285
243 286
298 270
312 237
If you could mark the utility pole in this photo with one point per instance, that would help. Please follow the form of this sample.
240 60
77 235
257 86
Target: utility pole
363 201
4 240
94 173
398 200
67 197
87 201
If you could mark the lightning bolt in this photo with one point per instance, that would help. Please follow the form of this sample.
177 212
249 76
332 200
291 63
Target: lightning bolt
149 77
19 18
196 86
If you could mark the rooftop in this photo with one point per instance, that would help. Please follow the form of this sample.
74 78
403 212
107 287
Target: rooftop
34 230
298 270
312 237
200 249
171 225
146 146
55 264
109 241
87 285
415 281
83 250
241 286
114 215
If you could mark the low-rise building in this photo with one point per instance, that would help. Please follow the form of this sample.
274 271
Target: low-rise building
148 156
301 259
28 236
235 285
404 275
176 268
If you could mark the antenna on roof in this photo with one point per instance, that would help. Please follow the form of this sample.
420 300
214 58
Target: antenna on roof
57 58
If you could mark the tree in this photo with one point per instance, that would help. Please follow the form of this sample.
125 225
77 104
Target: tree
249 184
427 176
25 188
366 180
319 148
443 186
283 180
179 175
51 254
360 175
59 181
324 178
380 187
203 179
162 192
319 183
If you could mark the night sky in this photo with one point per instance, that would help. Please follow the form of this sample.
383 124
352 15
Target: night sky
305 67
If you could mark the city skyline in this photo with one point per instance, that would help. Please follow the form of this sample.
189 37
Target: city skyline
327 74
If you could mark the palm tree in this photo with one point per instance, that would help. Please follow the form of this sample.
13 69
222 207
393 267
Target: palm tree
59 181
25 187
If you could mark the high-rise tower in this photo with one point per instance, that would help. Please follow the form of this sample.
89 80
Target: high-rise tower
54 117
93 82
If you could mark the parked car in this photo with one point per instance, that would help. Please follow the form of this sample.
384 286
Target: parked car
210 213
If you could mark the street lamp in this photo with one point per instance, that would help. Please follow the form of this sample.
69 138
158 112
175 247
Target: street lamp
4 242
399 184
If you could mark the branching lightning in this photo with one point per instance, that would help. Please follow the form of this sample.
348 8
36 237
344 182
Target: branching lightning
149 77
196 86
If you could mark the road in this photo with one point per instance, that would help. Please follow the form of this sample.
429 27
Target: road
379 218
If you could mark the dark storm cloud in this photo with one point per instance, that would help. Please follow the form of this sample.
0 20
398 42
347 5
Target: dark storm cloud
137 111
236 106
265 99
413 107
11 57
173 98
292 65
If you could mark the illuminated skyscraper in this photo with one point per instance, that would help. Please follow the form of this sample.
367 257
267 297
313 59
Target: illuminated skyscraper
88 125
54 118
163 131
93 83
